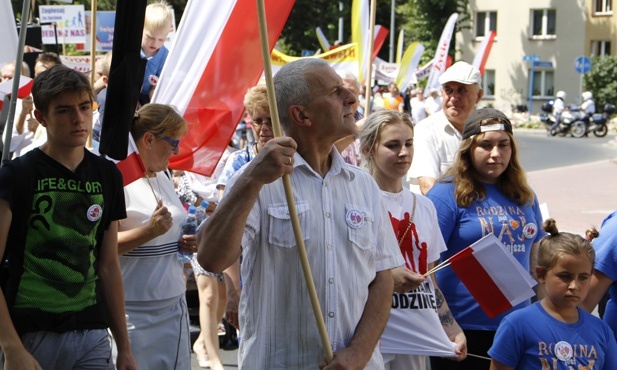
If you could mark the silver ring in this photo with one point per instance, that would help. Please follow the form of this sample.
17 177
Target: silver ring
290 160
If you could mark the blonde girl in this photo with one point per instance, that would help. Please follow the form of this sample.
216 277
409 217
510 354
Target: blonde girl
387 147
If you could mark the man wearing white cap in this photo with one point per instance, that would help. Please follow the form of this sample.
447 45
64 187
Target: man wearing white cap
438 137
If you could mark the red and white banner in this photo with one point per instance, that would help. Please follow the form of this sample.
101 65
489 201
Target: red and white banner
441 55
215 58
78 63
483 52
25 88
132 168
381 33
492 275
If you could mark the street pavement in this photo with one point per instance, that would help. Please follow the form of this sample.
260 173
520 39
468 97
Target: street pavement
229 357
578 196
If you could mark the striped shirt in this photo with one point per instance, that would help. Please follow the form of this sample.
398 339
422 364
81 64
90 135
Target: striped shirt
152 271
348 239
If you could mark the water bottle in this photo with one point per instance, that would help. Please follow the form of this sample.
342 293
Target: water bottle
189 227
200 214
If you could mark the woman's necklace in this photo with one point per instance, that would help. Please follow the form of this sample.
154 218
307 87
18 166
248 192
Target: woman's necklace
413 212
152 188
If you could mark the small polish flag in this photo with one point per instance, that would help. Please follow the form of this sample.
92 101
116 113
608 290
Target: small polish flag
132 168
492 275
25 88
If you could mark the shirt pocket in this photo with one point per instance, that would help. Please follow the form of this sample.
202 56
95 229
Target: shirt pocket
280 229
360 227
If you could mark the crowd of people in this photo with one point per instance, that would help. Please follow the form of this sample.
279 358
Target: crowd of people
92 262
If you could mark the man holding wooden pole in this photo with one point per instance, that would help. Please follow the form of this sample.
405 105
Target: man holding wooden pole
349 241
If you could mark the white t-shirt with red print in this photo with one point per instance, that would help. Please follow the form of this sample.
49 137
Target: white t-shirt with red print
413 326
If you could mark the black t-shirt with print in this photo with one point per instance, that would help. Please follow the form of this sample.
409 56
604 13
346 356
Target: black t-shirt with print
58 221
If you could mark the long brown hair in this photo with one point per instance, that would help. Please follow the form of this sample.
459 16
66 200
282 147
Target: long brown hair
467 189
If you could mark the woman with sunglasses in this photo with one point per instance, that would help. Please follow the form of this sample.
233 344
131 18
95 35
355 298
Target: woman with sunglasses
148 240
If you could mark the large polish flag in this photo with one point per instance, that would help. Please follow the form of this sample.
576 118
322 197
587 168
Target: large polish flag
441 55
214 59
483 52
492 275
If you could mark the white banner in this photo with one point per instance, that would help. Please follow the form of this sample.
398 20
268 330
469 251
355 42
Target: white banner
8 32
384 71
441 55
78 63
70 23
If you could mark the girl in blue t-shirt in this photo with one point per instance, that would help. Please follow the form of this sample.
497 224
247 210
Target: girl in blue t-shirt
485 192
555 333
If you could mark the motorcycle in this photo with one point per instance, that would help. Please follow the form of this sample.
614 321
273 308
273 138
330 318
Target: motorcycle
597 122
568 124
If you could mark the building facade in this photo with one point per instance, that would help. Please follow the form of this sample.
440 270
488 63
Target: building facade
554 32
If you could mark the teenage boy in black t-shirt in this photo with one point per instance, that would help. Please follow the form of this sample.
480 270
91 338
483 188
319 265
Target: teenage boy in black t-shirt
59 206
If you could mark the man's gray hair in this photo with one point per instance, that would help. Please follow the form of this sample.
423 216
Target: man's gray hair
291 86
348 76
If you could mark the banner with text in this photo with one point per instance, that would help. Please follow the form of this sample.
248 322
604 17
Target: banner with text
104 31
70 24
78 63
342 59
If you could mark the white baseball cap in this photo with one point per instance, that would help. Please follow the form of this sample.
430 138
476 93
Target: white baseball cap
461 72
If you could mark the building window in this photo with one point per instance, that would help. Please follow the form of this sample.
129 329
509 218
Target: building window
543 23
602 7
543 84
488 83
485 23
600 48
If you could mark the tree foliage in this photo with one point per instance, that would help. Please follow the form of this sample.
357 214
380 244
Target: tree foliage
602 80
426 20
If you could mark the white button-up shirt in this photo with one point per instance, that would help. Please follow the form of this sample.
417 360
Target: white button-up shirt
348 239
436 142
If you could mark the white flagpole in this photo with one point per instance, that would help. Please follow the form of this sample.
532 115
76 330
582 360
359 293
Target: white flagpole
23 29
93 10
369 72
293 213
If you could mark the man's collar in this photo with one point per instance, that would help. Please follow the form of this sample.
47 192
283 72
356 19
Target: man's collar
338 165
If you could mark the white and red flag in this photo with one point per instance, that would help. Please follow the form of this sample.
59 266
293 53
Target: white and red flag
25 88
492 275
483 52
131 167
441 55
213 60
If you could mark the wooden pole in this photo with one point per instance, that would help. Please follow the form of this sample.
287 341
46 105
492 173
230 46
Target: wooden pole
293 213
369 72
